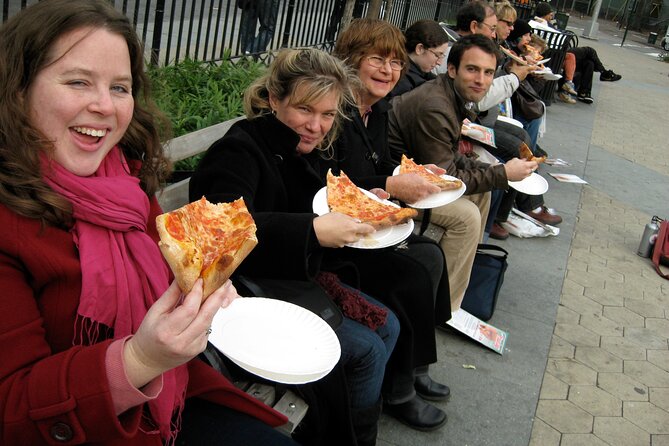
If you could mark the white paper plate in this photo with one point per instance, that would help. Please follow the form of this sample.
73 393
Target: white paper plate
438 199
275 340
535 184
379 239
547 74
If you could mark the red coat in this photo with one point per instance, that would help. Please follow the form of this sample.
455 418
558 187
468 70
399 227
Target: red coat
49 388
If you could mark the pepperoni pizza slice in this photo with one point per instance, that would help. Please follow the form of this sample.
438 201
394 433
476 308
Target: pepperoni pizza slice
206 240
345 197
409 166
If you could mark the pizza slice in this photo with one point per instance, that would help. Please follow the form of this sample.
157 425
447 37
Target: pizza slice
206 240
345 197
409 166
526 154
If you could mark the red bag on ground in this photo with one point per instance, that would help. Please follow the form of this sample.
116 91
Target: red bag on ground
661 249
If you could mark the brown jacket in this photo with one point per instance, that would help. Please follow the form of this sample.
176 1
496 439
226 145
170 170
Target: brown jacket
425 124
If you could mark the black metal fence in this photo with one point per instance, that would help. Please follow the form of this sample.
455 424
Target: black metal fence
209 30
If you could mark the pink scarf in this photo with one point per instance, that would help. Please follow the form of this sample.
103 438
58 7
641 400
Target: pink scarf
122 269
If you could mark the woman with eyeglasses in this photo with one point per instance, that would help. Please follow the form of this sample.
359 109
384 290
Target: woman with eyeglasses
410 278
426 43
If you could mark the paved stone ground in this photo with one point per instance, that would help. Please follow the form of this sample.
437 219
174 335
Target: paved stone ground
607 375
587 360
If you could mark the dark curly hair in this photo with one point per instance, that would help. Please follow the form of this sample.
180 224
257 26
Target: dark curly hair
26 41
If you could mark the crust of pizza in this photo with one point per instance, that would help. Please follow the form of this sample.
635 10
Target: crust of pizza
212 248
409 166
345 197
526 154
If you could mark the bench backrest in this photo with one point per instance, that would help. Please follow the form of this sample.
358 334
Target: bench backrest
176 195
558 43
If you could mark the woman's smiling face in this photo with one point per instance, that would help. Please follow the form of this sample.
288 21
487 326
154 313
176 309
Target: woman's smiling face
378 80
82 101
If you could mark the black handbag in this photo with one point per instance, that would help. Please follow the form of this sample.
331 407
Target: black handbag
485 282
306 294
526 102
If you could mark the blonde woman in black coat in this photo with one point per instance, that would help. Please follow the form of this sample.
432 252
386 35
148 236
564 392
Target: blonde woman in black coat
291 111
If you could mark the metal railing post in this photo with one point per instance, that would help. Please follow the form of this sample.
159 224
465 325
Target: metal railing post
157 32
288 21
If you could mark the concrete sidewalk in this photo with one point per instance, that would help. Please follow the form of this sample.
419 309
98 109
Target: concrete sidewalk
587 359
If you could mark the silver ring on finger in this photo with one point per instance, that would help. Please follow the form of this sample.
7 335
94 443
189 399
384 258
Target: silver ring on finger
208 332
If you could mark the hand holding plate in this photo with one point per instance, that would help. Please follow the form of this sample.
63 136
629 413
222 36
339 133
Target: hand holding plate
336 230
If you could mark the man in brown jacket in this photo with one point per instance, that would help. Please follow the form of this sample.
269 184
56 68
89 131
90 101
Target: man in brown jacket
425 123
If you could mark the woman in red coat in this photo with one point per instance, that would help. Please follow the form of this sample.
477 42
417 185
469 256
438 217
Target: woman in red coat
97 346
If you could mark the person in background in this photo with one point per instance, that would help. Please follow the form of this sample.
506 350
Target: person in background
293 110
254 13
97 345
508 137
426 44
410 278
426 123
583 60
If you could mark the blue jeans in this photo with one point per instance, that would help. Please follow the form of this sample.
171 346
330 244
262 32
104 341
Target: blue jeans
532 128
265 12
364 354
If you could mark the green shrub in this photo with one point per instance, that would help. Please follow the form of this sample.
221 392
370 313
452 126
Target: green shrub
195 95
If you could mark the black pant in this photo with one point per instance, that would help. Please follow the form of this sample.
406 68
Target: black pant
205 423
508 138
587 63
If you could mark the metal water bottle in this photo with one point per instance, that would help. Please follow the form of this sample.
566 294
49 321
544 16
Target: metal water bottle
645 246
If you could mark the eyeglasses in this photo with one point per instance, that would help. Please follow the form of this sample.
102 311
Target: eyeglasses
378 62
509 23
492 28
439 56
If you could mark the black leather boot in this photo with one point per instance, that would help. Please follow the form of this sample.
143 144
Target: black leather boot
417 414
431 390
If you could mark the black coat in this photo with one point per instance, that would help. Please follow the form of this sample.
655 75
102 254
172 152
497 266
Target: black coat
257 160
413 77
392 275
362 152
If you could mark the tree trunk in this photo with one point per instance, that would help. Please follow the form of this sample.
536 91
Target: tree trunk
374 9
348 15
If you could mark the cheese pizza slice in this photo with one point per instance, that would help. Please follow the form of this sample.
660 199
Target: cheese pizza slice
526 154
409 166
206 240
345 197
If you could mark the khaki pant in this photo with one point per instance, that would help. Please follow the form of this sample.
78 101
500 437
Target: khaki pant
464 223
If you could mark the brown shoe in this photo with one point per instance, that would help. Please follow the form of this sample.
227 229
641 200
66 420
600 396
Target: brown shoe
498 232
545 215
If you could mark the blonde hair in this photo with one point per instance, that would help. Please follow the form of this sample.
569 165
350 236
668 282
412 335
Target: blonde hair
505 11
311 71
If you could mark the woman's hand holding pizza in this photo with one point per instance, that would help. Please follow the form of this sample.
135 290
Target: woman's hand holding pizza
173 332
410 187
335 230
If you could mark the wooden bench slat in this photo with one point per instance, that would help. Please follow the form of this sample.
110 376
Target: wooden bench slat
185 146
